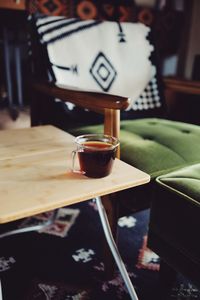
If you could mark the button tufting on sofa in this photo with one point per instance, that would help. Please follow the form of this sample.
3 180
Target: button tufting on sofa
148 138
152 123
185 131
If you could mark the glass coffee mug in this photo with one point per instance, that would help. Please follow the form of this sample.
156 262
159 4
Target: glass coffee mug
96 154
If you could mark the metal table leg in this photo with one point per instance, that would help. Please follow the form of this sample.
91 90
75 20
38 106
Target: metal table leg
32 228
114 249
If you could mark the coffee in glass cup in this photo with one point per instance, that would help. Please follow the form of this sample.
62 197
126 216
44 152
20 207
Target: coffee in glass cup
96 154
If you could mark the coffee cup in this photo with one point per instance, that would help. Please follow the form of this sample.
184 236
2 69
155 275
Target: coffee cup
96 154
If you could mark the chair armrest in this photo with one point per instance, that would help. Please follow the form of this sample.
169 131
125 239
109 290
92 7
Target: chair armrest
182 85
108 105
90 100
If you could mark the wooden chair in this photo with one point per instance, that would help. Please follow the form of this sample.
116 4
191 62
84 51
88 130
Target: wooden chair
154 145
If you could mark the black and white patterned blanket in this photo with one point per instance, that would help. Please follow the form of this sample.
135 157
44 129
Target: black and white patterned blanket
102 56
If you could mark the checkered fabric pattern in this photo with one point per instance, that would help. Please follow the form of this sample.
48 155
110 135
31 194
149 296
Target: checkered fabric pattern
150 97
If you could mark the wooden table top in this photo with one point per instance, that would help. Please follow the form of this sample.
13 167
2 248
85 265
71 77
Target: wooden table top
31 141
35 173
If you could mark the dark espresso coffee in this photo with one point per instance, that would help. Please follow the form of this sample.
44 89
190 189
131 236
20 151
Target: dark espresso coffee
96 158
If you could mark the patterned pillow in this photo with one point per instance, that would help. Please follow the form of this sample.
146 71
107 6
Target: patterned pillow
102 56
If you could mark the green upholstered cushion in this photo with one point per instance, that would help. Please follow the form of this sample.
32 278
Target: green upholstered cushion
175 219
185 182
156 146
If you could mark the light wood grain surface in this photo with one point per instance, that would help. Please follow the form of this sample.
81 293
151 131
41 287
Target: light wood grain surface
31 141
41 180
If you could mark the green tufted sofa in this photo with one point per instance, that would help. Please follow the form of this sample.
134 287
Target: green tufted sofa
175 222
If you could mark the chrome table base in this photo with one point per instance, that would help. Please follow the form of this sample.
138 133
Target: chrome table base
114 249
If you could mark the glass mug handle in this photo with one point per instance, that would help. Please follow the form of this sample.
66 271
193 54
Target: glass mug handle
74 153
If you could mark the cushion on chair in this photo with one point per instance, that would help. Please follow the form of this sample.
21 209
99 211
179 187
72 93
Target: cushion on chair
175 220
156 146
184 182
